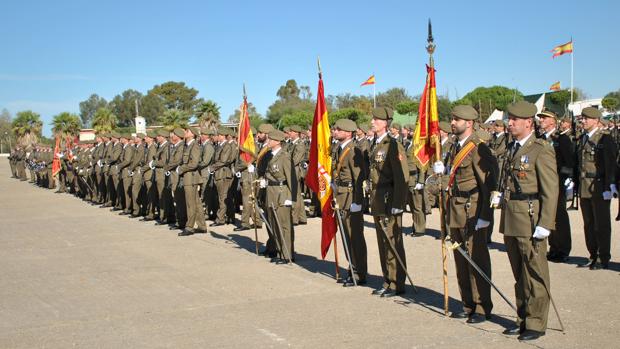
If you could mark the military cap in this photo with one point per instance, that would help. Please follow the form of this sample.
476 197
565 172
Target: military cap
296 128
547 114
179 132
286 128
346 125
591 113
151 133
396 125
115 134
522 110
499 123
140 135
363 127
208 131
409 127
194 131
382 113
605 122
465 112
163 132
277 135
445 126
126 135
265 128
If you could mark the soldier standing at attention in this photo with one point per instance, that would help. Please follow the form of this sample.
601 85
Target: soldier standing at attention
206 158
473 171
148 176
176 160
388 176
124 187
348 176
560 239
136 176
415 196
298 150
166 212
221 168
191 183
528 216
596 175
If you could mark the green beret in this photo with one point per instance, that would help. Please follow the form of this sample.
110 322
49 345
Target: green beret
124 135
140 135
346 125
547 114
265 128
163 132
445 126
179 132
277 135
522 110
465 112
409 127
499 123
382 113
363 127
591 113
194 131
296 128
151 133
396 125
208 132
115 134
286 128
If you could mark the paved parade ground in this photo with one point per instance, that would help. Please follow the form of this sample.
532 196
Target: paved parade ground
76 275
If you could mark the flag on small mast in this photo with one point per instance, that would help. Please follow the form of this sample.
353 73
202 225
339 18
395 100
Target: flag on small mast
562 49
555 87
369 81
426 135
56 161
247 147
318 178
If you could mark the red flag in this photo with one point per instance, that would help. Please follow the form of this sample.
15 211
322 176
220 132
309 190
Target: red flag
426 135
56 161
320 168
247 148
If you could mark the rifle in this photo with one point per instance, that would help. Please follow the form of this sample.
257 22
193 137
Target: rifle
574 205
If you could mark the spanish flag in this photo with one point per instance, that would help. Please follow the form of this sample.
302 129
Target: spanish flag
426 136
369 81
318 178
247 148
56 159
555 87
562 49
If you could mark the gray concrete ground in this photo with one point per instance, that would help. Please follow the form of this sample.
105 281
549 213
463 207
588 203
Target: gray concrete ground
75 275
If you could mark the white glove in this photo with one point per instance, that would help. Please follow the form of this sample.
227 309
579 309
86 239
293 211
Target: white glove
238 174
607 195
262 183
614 190
251 168
99 163
177 170
496 198
151 165
396 211
288 203
355 207
60 155
167 173
481 224
438 167
569 194
80 171
541 233
568 183
418 186
130 173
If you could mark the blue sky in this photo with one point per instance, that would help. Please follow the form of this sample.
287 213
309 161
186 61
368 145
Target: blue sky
56 53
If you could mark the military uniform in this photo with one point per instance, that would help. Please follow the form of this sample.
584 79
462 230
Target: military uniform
113 158
596 175
192 182
528 213
151 199
124 186
222 173
348 176
298 152
162 178
471 180
415 195
208 194
389 174
178 196
137 164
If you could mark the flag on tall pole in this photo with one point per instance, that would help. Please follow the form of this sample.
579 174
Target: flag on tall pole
426 135
247 147
555 86
56 160
369 81
318 178
562 49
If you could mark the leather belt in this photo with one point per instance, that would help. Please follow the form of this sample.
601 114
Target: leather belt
276 183
464 194
523 196
343 184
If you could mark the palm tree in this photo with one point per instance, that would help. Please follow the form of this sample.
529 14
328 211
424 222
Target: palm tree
208 114
104 120
174 118
66 124
27 128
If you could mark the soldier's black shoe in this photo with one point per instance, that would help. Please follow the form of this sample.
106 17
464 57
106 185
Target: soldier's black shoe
460 315
476 318
389 293
303 223
348 282
587 264
186 232
604 265
379 291
241 228
124 213
513 331
146 219
216 224
134 216
530 335
160 223
595 266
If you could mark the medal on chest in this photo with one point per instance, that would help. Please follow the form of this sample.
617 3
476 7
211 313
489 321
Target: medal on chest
380 156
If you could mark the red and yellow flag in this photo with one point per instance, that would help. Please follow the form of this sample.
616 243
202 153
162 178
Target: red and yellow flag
426 136
555 87
369 81
56 160
562 49
247 147
320 168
